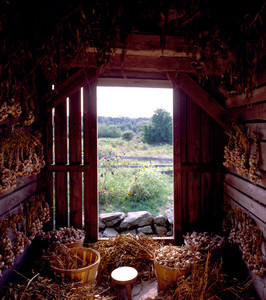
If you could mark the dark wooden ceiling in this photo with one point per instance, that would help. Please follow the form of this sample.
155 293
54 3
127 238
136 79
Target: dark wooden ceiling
220 45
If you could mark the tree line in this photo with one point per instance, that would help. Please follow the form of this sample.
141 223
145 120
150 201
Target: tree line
154 130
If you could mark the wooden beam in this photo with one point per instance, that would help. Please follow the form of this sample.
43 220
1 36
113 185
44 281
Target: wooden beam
124 82
201 97
70 168
257 95
140 63
247 113
151 45
177 98
91 157
60 179
75 178
69 87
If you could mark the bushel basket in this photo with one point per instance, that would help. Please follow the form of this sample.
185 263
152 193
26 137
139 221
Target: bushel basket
86 273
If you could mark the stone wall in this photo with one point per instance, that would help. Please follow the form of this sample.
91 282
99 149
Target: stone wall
139 222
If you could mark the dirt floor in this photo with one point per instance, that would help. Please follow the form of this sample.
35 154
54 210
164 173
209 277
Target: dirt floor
147 290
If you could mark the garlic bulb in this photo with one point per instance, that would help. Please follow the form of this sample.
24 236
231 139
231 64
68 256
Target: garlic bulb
177 257
203 242
64 235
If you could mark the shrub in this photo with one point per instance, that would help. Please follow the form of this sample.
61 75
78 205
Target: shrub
128 135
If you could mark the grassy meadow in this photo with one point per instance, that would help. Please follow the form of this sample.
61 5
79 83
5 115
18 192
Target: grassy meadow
133 189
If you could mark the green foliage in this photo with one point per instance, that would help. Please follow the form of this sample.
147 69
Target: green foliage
108 131
134 190
128 135
123 123
159 129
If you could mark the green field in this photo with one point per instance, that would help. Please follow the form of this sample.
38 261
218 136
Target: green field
133 189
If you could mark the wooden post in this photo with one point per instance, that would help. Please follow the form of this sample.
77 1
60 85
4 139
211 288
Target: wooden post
61 215
75 158
90 156
177 98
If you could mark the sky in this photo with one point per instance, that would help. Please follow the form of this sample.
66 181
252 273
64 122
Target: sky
133 102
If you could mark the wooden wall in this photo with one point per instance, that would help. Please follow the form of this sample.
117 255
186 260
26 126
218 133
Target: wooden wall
238 190
201 166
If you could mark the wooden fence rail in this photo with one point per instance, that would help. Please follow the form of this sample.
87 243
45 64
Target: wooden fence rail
138 158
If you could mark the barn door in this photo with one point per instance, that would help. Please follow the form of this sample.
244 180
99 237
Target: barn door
74 158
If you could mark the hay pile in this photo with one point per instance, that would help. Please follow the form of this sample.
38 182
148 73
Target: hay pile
206 280
126 250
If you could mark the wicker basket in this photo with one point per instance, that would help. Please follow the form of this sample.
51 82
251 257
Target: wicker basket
87 273
167 276
76 244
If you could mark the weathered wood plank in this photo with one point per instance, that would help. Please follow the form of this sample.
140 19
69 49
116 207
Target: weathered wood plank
129 82
26 188
75 158
248 203
255 112
91 157
183 124
70 168
194 200
151 43
258 127
253 191
70 86
48 146
193 132
206 200
177 99
207 138
262 157
61 191
257 95
202 98
263 174
135 63
202 168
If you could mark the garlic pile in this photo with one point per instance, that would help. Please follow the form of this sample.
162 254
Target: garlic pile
29 119
255 177
8 256
237 153
65 235
13 109
178 257
21 155
243 231
8 180
203 242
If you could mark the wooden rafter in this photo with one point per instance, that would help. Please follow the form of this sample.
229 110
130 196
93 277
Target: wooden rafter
201 97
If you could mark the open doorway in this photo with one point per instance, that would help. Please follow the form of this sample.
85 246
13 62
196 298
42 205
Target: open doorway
135 166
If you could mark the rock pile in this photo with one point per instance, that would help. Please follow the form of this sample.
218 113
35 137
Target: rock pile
139 222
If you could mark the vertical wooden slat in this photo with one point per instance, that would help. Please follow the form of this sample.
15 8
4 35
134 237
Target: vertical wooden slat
177 164
207 156
75 158
48 173
90 156
183 129
60 121
193 156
